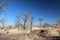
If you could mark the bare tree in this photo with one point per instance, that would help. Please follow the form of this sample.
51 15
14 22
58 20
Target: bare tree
40 19
2 6
31 23
58 22
47 25
2 21
17 22
25 18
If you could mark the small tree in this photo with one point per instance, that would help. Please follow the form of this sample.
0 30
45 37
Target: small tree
40 19
58 22
31 23
2 21
46 25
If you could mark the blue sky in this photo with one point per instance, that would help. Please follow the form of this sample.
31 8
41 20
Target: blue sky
49 10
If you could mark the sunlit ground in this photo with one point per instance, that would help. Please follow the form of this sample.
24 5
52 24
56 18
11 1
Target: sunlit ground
15 34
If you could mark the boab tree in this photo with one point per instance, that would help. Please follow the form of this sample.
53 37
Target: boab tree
25 18
17 21
31 23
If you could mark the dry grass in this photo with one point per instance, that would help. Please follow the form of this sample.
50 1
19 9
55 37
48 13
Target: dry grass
14 34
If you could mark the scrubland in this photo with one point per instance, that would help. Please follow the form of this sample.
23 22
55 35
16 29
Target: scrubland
15 34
